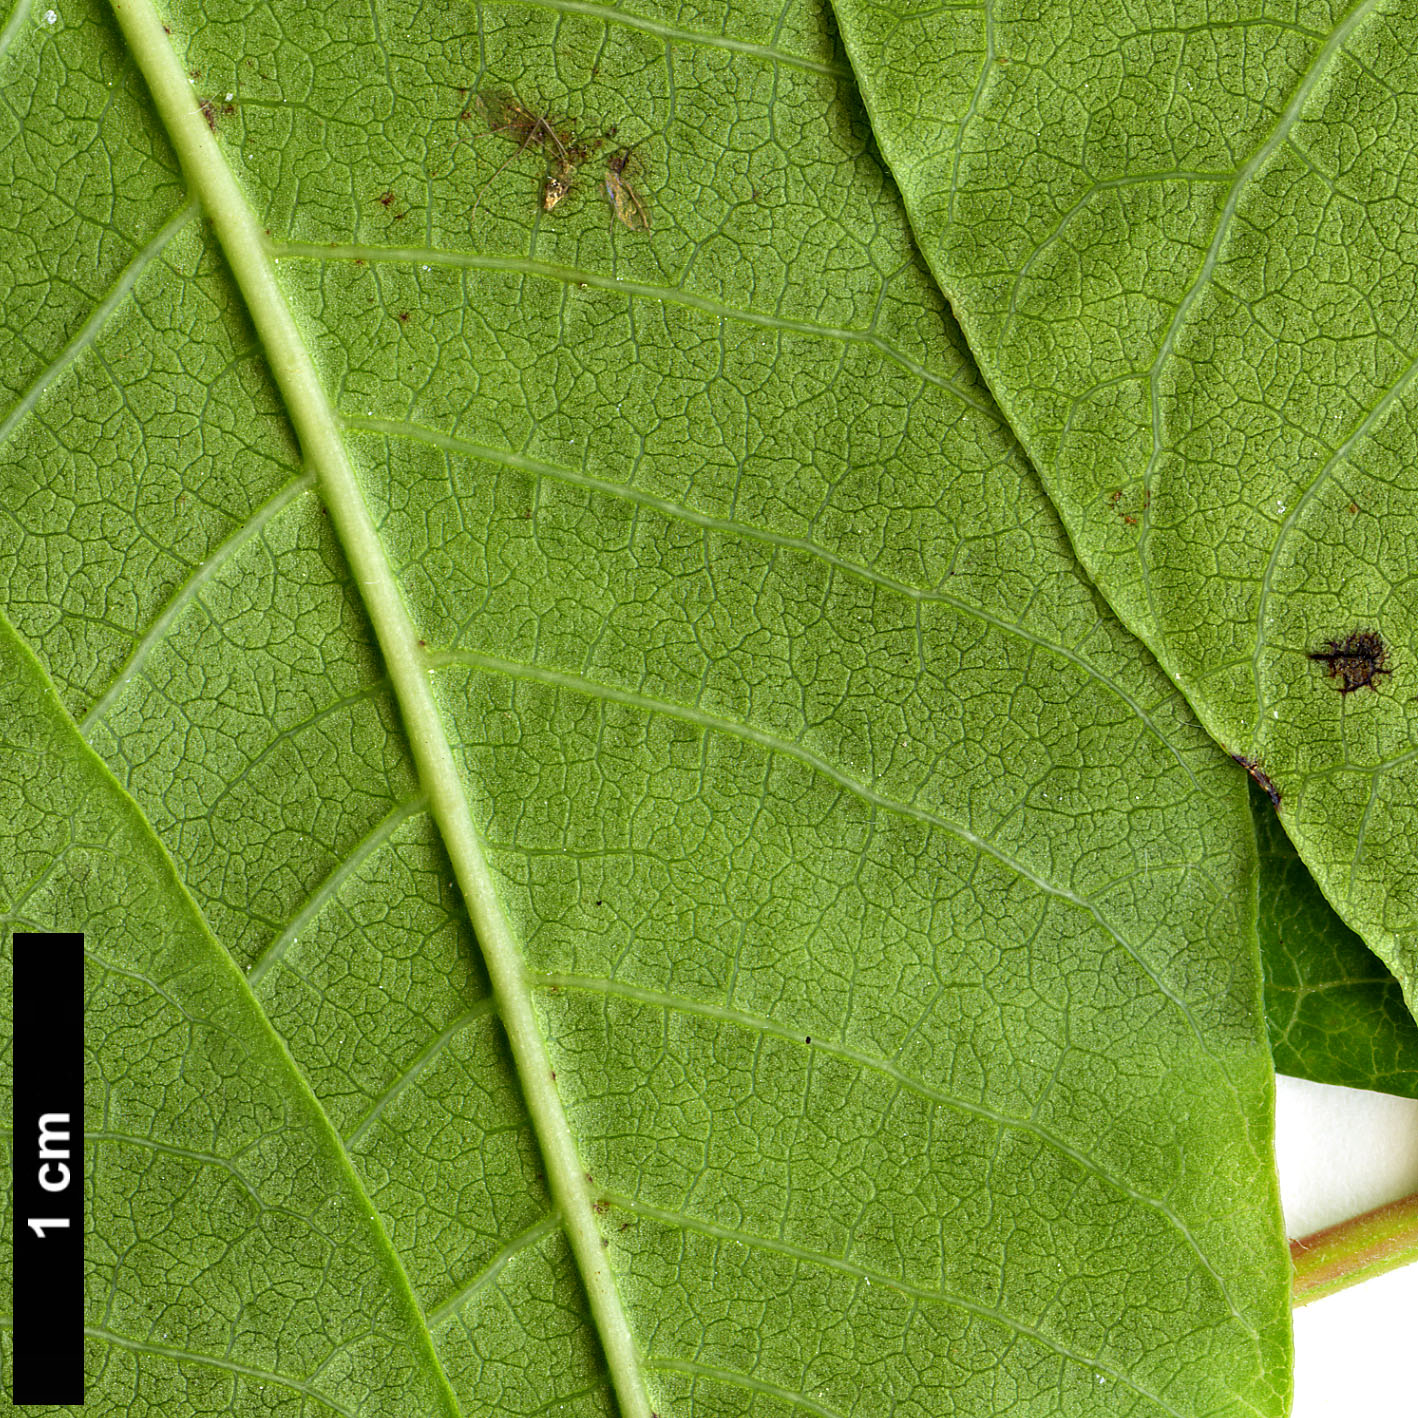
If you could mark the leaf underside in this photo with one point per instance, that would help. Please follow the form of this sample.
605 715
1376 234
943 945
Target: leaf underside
887 916
1181 244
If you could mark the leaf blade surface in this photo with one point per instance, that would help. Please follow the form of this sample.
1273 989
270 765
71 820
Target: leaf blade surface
1181 247
813 776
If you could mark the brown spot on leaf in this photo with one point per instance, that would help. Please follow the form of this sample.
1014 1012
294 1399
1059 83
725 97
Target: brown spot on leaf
1357 660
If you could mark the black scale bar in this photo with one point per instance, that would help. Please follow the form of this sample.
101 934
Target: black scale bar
48 1061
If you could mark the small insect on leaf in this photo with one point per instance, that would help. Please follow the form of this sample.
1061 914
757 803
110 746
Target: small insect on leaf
629 206
1356 661
557 185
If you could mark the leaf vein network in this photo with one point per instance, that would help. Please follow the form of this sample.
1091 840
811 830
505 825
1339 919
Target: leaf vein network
804 545
632 290
611 15
712 723
770 1028
266 1376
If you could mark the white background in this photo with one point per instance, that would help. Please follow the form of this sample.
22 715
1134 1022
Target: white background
1341 1151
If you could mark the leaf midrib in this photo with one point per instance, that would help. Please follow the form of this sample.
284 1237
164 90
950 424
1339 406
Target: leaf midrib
319 433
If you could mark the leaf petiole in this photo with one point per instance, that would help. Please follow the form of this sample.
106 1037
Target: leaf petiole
1355 1250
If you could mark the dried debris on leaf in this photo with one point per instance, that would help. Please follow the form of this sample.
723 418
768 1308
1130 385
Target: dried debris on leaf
1356 661
1261 777
557 185
627 203
553 139
556 141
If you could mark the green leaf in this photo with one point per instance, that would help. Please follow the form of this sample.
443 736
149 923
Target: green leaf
222 1205
1334 1013
764 937
1181 243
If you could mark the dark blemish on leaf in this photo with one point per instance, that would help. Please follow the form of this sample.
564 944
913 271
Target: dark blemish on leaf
600 1207
1261 777
1357 661
808 1040
403 317
386 199
359 260
625 1225
1353 508
424 643
598 901
209 112
196 74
